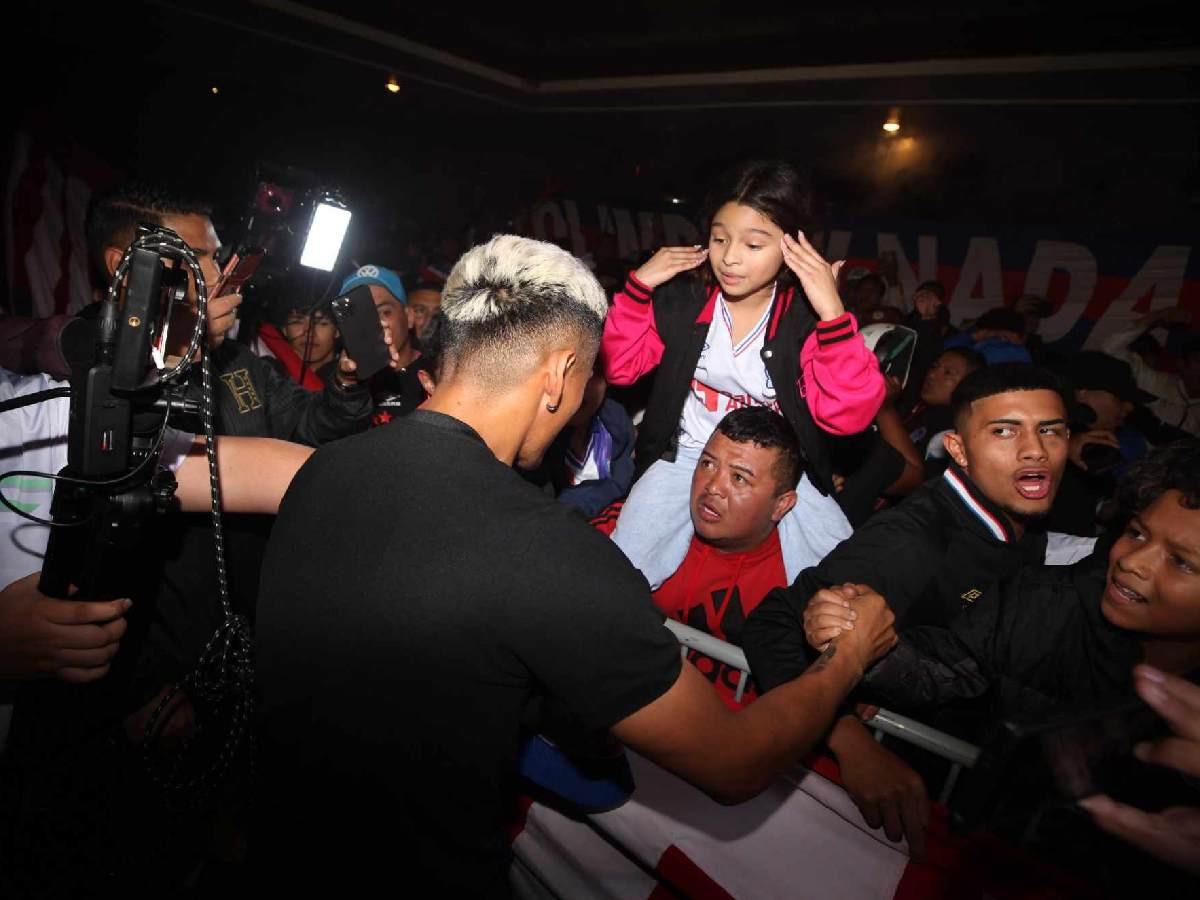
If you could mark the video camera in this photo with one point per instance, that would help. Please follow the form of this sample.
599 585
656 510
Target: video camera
123 395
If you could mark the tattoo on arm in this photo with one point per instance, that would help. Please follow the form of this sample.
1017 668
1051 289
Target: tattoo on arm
823 659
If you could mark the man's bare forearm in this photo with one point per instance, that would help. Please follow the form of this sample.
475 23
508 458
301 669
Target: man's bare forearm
785 723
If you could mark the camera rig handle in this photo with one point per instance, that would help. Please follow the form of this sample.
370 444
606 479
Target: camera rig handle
110 486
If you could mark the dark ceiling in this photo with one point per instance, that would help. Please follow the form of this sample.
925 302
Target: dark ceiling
549 57
543 42
1026 110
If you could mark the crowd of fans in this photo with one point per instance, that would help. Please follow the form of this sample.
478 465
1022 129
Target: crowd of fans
991 533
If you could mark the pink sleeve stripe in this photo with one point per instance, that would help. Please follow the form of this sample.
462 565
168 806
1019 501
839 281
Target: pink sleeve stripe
842 382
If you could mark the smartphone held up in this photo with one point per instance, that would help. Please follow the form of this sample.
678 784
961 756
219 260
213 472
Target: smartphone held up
362 333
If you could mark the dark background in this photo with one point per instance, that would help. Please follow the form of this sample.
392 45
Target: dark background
1113 145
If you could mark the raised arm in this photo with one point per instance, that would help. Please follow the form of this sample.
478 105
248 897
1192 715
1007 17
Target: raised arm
631 346
842 382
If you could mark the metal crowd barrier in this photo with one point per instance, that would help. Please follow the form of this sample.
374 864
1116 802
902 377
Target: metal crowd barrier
959 753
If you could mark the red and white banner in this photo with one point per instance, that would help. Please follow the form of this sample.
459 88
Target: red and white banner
51 181
802 837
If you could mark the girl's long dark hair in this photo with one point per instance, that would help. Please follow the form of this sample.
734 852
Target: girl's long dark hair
772 187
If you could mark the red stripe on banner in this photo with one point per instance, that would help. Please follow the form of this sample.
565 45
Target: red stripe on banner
682 874
26 210
520 817
41 147
62 290
1108 288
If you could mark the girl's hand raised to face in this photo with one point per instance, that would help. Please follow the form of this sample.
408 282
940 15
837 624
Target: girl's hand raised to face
669 262
817 277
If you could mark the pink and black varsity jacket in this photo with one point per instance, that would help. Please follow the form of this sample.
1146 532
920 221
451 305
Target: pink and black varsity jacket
838 385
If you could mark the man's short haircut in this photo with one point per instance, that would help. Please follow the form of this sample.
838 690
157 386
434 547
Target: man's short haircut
113 217
768 429
1001 378
1001 318
1170 467
876 282
973 358
934 287
505 301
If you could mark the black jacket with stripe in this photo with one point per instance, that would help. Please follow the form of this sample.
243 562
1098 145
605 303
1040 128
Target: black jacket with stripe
932 556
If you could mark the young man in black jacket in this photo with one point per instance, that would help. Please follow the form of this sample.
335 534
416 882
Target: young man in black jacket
1057 636
936 553
1057 640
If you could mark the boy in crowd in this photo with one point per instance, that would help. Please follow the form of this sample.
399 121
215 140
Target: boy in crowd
397 390
424 300
312 338
932 554
1103 442
930 418
938 551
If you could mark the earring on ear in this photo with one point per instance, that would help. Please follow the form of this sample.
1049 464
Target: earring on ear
551 407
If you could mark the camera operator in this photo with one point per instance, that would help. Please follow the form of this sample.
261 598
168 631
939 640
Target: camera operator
251 399
254 399
175 609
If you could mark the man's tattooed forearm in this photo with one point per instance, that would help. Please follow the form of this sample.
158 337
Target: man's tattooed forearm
823 659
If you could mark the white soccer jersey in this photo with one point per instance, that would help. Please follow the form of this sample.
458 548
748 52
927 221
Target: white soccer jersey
727 377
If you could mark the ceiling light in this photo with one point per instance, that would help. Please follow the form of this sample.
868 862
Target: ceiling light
892 125
393 85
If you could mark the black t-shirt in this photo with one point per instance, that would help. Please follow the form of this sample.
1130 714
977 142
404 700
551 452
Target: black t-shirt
395 659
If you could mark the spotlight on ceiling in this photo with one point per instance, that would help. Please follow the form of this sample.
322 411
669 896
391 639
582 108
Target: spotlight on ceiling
892 125
393 85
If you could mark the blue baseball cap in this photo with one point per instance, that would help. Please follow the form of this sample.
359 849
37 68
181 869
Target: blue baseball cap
377 275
